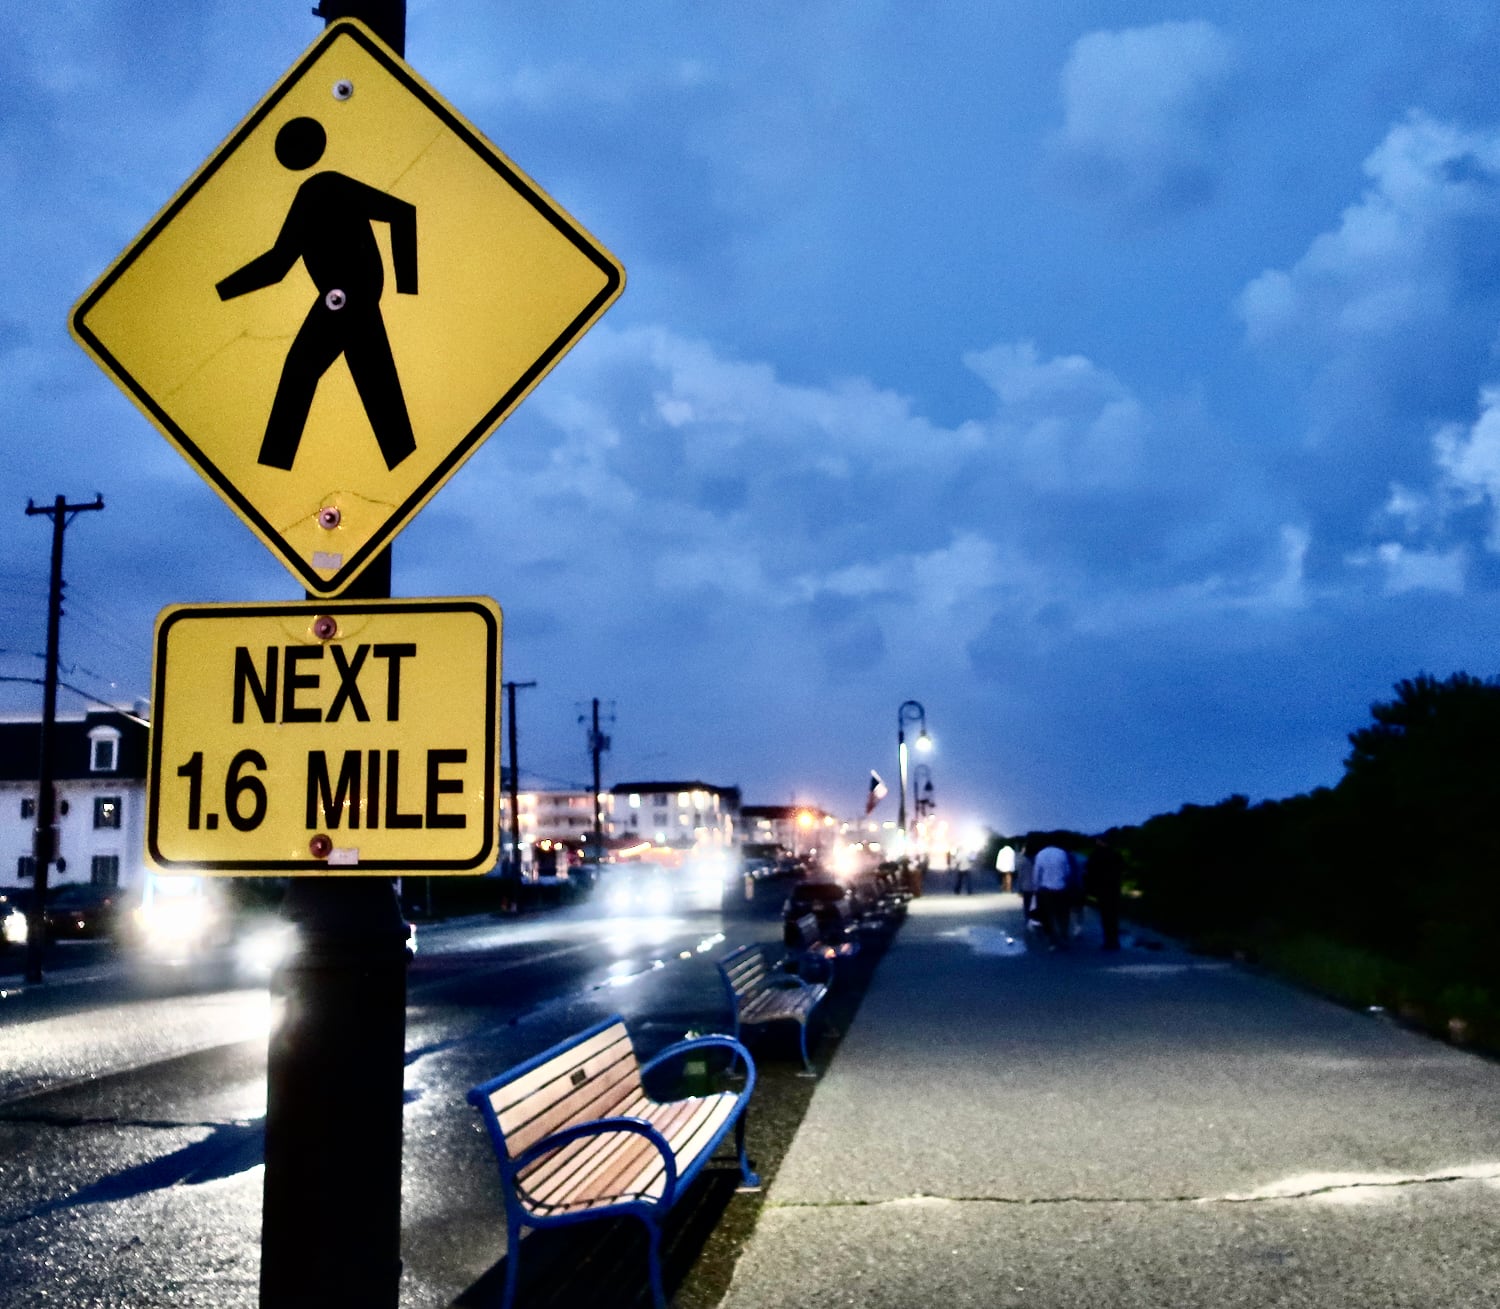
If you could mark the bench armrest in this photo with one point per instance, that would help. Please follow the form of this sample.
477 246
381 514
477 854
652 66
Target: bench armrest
604 1127
711 1041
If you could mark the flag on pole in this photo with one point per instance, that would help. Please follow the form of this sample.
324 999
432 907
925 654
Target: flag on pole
878 792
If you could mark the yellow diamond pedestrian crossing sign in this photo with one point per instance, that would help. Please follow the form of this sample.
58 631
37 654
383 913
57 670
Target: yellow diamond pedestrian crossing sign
351 293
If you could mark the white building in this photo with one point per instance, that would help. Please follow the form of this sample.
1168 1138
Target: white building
564 817
681 817
100 786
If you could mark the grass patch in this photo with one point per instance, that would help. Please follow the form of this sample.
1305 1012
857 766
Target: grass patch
1460 1011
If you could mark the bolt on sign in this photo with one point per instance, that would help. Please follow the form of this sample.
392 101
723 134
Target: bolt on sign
332 737
342 303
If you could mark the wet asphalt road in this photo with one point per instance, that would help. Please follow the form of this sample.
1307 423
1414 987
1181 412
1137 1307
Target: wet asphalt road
131 1115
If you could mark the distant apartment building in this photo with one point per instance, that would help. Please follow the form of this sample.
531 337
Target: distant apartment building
101 799
795 828
684 817
565 816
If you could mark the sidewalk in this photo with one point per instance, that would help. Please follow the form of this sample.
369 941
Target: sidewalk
1004 1126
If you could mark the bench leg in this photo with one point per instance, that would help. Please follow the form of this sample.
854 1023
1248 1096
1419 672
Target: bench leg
658 1295
750 1181
512 1262
807 1068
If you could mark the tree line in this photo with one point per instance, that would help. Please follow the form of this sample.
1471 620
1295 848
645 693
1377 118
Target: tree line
1394 871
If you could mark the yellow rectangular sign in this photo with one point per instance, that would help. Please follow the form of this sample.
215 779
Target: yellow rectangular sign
335 737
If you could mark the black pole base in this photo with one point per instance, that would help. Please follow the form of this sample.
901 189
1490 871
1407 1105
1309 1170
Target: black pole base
331 1215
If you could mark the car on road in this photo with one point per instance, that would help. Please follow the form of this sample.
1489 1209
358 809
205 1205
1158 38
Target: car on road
638 888
14 905
79 911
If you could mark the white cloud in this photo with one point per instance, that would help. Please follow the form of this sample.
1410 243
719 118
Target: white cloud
846 531
1385 328
1422 570
1066 422
1141 111
1394 260
1470 460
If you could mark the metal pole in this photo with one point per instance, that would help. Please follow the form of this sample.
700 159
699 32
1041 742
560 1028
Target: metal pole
331 1209
515 773
901 785
44 842
596 744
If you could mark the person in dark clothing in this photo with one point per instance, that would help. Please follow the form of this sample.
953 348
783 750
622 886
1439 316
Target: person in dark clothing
1106 872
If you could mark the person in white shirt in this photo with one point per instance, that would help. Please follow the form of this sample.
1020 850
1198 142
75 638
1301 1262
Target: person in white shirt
1054 891
1026 881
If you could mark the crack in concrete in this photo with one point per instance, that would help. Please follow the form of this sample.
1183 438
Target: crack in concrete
1270 1194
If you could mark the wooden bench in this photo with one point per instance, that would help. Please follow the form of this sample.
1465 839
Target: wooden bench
760 995
808 954
578 1138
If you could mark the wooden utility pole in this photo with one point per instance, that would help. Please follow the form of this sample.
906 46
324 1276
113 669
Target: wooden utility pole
44 839
515 780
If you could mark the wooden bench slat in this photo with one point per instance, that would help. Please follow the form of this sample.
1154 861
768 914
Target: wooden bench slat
524 1087
625 1164
749 972
600 1097
585 1173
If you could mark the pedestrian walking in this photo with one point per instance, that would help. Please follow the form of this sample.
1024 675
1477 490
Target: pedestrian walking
1106 873
1054 893
1026 879
961 878
1077 901
1005 867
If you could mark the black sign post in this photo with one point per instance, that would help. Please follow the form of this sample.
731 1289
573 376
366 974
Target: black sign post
331 1210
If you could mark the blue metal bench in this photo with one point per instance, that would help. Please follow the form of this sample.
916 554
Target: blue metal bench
808 954
760 995
578 1138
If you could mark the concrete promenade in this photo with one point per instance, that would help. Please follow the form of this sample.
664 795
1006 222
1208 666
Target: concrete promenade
1003 1126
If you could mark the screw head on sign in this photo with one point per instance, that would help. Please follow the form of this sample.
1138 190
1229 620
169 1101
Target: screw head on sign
329 517
321 846
343 89
325 627
335 299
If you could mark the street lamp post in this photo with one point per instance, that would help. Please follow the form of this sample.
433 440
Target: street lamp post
922 801
910 711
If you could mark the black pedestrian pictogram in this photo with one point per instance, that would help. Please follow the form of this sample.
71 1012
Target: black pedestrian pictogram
329 228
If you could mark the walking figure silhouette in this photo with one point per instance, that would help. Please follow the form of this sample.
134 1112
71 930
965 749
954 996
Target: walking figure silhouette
329 228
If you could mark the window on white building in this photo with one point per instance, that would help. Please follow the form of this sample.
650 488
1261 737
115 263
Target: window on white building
106 811
26 867
659 801
28 806
635 799
105 870
104 750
